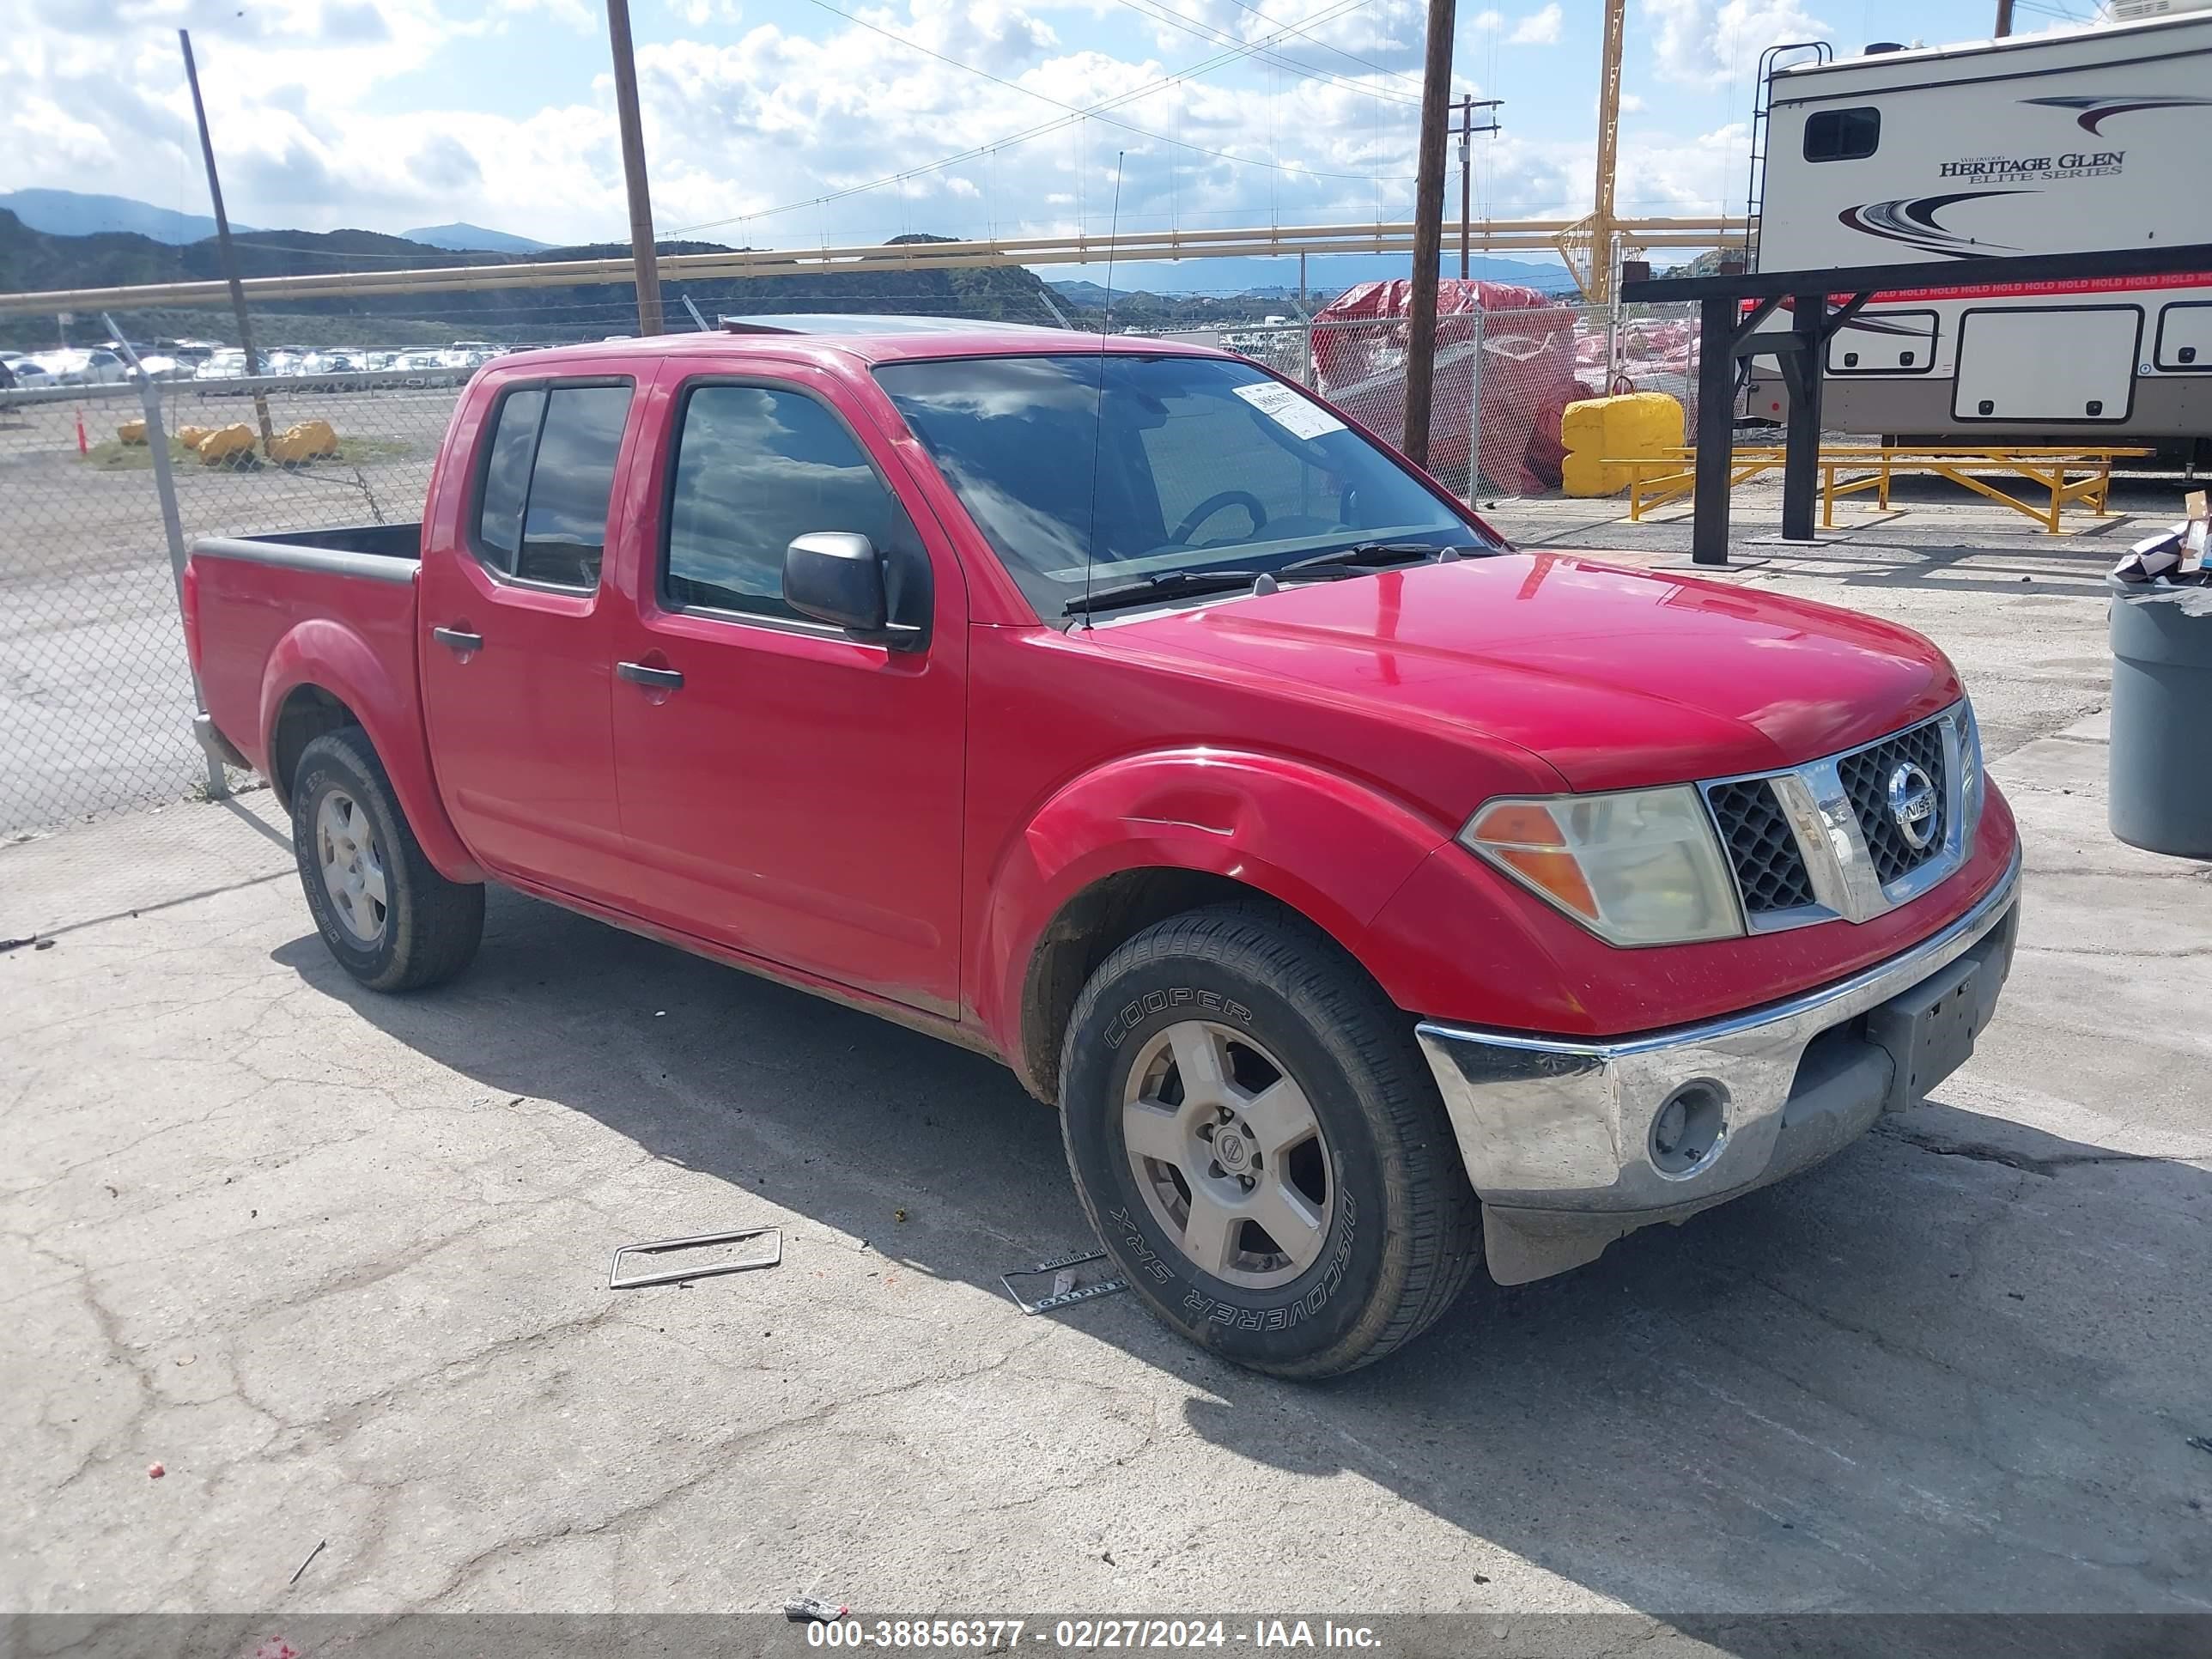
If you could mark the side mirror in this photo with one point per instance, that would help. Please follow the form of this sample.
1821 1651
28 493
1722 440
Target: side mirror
834 576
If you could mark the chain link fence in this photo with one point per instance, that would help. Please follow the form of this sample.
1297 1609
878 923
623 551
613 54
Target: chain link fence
96 695
1502 378
96 698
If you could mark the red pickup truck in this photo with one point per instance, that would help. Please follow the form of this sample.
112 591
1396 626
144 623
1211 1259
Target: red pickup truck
1373 899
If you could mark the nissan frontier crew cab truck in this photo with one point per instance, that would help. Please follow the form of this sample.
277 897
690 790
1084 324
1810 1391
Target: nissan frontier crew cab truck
1375 902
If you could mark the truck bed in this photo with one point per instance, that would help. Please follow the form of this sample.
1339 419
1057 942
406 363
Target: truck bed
323 550
260 602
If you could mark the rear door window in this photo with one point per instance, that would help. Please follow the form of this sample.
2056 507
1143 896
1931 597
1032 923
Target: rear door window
548 477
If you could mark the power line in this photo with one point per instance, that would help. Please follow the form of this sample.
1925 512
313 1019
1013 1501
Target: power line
1224 37
1350 56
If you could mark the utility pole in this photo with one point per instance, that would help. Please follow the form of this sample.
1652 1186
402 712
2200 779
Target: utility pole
1467 129
222 244
2004 18
642 251
1428 234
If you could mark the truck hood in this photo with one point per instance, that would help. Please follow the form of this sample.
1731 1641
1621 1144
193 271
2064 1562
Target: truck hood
1618 677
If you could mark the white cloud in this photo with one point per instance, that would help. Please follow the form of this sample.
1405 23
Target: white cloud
743 123
570 13
1538 28
1710 42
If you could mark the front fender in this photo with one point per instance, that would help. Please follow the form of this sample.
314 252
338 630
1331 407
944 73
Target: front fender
331 656
1329 847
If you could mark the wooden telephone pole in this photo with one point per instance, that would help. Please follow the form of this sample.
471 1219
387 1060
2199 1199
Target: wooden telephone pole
1465 132
642 252
1428 233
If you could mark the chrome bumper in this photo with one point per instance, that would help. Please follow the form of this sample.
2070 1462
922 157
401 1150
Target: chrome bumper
1559 1136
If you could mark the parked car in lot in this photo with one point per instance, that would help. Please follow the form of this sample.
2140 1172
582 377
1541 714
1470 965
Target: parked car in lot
1374 901
28 373
425 368
226 364
76 367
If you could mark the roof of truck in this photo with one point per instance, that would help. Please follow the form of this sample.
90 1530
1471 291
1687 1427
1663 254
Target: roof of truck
873 337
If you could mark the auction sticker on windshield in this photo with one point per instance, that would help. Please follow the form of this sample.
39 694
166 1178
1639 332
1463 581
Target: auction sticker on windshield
1294 415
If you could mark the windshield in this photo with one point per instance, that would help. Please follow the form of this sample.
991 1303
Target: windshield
1199 463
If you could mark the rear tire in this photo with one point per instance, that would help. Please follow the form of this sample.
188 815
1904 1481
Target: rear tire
1263 1153
391 920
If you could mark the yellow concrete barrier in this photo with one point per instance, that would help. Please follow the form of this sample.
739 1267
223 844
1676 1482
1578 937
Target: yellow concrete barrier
227 445
190 436
1587 473
1599 432
131 432
308 441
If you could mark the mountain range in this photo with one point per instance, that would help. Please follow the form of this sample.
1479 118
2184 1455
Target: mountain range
34 261
463 238
72 213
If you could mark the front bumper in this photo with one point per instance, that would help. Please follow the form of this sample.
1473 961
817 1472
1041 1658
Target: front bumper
1559 1137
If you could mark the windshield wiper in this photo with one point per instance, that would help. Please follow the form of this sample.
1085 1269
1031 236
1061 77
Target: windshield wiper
1364 555
1170 584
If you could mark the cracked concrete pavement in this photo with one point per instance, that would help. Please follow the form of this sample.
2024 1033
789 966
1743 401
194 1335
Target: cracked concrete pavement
337 1262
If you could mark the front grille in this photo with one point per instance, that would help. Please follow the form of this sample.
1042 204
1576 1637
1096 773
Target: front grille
1866 776
1762 849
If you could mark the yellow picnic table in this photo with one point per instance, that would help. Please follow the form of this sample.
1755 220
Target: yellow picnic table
1657 480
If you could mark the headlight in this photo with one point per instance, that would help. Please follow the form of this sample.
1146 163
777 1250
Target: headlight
1973 784
1642 868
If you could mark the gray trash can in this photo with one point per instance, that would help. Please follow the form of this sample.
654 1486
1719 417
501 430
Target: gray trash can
2161 754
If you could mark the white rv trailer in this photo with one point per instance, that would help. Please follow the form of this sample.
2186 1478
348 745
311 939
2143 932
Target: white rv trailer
2091 138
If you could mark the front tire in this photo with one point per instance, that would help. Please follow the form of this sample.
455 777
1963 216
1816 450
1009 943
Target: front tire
391 920
1254 1136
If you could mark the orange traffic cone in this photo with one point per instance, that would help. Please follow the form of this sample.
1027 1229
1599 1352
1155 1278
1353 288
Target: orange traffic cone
83 448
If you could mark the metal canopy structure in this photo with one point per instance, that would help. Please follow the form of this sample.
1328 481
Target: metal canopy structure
1821 302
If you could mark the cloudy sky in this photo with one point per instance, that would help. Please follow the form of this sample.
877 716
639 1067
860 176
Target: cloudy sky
784 121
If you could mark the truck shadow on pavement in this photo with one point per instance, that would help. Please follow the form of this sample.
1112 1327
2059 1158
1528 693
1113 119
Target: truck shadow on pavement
1956 1369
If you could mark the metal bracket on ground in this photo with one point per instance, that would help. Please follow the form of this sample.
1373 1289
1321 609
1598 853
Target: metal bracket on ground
772 1257
1064 1292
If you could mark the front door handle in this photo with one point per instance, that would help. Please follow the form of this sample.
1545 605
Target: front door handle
458 640
661 679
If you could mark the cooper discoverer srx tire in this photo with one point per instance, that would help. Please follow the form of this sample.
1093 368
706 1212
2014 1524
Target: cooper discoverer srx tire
391 920
1260 1145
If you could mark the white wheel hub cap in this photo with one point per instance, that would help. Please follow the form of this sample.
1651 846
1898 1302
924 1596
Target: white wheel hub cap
352 866
1228 1154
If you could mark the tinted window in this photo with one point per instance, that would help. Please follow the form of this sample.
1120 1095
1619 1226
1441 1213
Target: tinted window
507 479
542 516
1842 134
564 529
1190 462
756 467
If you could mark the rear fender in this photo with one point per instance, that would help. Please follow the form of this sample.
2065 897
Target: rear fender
327 655
1328 846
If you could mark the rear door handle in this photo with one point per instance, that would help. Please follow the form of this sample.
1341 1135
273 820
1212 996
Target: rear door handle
664 679
458 640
